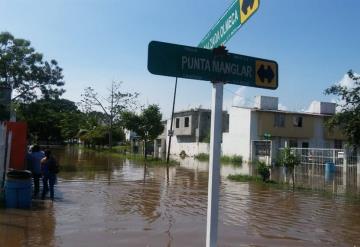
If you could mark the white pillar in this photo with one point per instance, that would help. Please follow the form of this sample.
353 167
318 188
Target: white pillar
156 149
214 164
345 167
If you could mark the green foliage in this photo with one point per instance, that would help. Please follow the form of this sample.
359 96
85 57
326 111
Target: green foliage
122 149
111 106
51 120
206 138
243 178
147 125
288 159
25 71
99 136
348 119
234 159
263 170
202 157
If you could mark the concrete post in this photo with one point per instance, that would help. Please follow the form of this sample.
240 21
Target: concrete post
156 149
163 149
345 167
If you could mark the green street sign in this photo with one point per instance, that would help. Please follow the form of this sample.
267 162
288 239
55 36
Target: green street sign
203 64
234 17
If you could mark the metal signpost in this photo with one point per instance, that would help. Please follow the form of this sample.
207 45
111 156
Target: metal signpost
219 67
234 17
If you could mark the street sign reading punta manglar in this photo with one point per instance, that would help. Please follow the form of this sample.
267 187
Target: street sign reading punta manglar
234 17
202 64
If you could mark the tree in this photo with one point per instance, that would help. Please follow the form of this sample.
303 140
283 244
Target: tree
112 106
348 119
24 70
263 170
147 125
99 136
52 120
289 160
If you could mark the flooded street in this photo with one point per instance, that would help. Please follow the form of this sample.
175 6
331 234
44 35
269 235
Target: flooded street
106 201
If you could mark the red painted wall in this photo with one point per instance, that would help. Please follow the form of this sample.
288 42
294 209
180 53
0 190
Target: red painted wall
18 144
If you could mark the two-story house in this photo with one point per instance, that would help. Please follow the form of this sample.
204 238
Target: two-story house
280 128
191 132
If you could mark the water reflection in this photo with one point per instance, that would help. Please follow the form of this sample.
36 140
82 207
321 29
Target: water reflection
28 228
107 201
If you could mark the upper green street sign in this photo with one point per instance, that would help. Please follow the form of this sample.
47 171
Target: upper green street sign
234 17
203 64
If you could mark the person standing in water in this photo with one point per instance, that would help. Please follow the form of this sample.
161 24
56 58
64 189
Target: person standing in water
35 157
49 169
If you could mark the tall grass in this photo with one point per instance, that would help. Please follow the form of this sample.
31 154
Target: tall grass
202 156
234 159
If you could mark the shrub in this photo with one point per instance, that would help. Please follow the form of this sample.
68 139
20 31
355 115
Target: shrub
263 170
202 156
235 159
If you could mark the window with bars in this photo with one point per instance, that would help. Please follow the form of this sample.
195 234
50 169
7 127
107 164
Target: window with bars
297 121
186 122
279 120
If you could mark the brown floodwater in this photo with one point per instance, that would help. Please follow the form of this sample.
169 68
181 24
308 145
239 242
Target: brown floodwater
106 201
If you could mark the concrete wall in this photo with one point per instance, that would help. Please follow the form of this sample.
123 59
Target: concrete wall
237 140
190 149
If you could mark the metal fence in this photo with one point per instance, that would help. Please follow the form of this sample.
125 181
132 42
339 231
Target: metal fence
337 170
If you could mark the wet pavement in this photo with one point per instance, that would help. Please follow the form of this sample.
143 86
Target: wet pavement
106 201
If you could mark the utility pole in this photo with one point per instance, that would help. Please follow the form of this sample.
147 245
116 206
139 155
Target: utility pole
170 134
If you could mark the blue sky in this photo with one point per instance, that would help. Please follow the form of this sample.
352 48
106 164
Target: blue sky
96 41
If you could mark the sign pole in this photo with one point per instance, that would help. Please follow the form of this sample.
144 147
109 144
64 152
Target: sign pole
171 124
214 164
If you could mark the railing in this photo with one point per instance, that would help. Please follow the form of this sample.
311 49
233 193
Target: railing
315 171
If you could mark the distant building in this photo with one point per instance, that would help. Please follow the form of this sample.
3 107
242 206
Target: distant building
251 128
130 135
191 132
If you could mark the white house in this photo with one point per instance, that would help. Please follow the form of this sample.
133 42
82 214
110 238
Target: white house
249 127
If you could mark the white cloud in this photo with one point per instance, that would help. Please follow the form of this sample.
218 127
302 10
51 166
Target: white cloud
346 81
313 106
239 99
282 107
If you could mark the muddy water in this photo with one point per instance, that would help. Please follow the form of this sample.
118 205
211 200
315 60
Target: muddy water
102 201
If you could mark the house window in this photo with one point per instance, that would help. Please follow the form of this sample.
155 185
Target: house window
279 120
305 150
293 144
297 121
305 145
186 123
338 144
177 123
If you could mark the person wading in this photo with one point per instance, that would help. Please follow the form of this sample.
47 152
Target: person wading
35 158
49 169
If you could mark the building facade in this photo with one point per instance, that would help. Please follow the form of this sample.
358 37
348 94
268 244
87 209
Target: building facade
191 132
264 122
